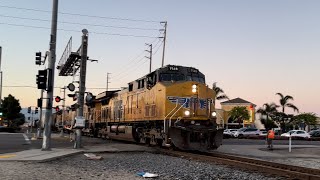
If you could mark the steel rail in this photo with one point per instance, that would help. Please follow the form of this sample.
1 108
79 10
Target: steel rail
272 168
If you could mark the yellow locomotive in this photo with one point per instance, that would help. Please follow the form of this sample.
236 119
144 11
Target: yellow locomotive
169 106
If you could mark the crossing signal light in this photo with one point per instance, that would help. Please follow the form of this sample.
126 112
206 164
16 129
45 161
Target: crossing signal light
29 110
38 58
57 99
42 79
36 111
57 108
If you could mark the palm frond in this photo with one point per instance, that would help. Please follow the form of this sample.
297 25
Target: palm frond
222 97
293 107
288 98
281 96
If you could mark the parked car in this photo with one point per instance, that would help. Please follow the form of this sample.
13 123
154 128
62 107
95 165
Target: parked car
246 132
296 133
227 133
315 133
263 132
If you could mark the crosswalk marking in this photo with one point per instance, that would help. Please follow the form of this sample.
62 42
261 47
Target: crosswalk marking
26 138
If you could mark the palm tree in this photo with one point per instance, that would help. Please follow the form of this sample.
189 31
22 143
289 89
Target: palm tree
284 102
268 110
219 93
239 114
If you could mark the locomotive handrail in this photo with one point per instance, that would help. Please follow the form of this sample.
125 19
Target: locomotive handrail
176 112
165 118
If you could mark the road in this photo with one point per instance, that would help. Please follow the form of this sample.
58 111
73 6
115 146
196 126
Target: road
14 142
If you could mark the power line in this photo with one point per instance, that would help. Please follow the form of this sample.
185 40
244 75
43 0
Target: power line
22 86
67 22
70 30
127 72
128 65
83 15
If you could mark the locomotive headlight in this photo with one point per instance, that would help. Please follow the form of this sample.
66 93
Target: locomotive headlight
213 114
187 113
194 88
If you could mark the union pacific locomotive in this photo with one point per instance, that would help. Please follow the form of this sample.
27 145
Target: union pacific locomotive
169 106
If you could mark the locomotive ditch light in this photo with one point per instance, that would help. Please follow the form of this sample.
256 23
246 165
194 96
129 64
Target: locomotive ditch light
187 113
213 114
194 88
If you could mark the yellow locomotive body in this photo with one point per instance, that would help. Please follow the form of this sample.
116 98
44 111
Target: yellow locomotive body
171 105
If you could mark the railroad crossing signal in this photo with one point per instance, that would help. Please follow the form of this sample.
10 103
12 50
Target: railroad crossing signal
29 110
42 79
57 108
38 58
57 99
36 110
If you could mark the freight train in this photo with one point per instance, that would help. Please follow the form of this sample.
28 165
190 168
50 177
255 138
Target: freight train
169 106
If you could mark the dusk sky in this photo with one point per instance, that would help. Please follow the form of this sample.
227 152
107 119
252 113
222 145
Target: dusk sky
251 48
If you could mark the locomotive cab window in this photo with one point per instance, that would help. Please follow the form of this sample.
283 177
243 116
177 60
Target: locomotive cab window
171 77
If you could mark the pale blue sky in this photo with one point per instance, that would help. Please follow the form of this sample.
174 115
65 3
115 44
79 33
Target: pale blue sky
252 48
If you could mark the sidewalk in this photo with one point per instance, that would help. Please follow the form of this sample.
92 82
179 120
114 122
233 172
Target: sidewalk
37 155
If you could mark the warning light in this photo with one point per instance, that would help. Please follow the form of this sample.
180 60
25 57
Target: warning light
58 99
57 108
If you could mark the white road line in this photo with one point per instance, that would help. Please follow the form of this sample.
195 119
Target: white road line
26 138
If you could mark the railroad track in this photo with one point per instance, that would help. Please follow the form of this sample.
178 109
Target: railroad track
283 170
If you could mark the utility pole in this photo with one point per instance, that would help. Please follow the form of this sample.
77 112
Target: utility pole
108 81
1 78
46 143
82 88
164 40
40 114
63 109
150 56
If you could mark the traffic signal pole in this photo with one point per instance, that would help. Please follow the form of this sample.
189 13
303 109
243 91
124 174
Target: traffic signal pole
40 118
46 143
63 109
82 88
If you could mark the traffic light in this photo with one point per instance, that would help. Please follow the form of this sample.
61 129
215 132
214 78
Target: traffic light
38 58
42 79
36 110
57 99
57 108
39 103
29 110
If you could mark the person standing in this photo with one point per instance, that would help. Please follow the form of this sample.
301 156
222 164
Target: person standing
270 137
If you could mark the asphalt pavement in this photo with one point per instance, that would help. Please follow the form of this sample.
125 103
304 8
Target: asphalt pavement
13 142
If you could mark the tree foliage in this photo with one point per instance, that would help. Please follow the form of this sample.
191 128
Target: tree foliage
307 118
11 109
268 110
239 114
284 102
220 95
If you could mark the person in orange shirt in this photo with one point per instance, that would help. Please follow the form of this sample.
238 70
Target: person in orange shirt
270 137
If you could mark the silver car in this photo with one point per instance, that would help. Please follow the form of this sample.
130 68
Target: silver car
246 132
